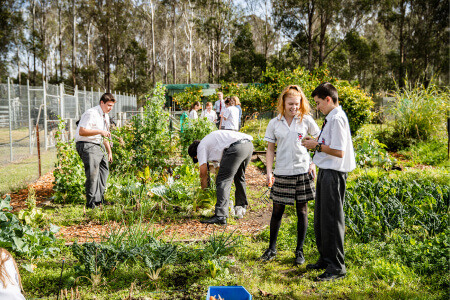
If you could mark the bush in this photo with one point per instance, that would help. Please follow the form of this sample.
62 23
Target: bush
69 172
195 129
147 140
419 114
189 96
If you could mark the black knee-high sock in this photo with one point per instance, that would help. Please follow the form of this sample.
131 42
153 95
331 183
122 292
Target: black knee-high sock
302 223
275 223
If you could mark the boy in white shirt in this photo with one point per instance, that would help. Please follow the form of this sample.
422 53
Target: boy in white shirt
230 117
335 157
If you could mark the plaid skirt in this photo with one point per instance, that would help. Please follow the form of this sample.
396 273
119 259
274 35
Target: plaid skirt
290 189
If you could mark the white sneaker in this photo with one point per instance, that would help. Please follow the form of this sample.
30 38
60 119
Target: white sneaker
240 211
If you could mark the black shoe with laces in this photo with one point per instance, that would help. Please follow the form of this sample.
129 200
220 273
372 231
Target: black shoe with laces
299 258
215 220
317 266
268 255
329 277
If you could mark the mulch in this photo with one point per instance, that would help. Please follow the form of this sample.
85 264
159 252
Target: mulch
186 230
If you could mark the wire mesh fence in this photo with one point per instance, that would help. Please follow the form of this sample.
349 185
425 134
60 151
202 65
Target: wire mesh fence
22 107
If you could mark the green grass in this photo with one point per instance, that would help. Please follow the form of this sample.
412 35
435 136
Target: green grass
17 175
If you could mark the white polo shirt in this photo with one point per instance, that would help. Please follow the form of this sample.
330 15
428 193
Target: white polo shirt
93 118
232 115
292 158
211 146
336 134
12 290
211 115
193 114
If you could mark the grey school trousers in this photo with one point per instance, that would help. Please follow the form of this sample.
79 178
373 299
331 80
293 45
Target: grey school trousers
329 220
232 168
96 169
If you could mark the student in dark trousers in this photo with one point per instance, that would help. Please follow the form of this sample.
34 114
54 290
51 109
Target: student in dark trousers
335 157
233 150
92 146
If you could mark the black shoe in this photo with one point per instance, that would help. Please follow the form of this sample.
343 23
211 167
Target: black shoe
329 277
317 266
268 255
215 220
299 258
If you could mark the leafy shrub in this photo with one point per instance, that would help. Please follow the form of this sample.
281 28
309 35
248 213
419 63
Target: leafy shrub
370 152
32 216
23 239
147 140
419 113
69 172
189 96
356 104
430 152
196 129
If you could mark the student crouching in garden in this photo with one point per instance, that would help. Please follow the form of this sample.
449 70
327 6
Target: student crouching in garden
95 150
233 150
335 157
10 282
293 178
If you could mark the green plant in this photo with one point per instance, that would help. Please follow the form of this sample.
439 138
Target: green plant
419 114
220 244
69 171
23 239
196 129
32 215
146 139
369 152
189 96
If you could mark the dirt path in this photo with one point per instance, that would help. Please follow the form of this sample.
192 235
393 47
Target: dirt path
188 229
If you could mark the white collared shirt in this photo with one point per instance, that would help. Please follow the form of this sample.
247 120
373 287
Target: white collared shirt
193 114
92 119
219 106
231 113
211 115
12 290
211 146
292 158
336 134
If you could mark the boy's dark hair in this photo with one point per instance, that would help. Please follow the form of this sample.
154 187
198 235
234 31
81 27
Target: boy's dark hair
192 150
324 90
107 97
228 101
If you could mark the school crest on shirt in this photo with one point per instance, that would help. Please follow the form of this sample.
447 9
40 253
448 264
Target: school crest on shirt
300 136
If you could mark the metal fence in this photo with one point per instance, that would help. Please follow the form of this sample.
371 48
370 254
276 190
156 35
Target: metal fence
22 107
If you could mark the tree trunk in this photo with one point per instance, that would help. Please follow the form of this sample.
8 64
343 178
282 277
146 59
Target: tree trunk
174 42
401 70
34 43
60 42
310 35
153 46
74 44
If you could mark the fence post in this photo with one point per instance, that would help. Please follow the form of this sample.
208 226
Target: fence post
92 97
61 93
76 102
29 116
10 123
85 96
44 87
70 129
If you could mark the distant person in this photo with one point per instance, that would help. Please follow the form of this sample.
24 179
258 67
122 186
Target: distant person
91 145
193 110
218 106
293 178
237 103
209 113
233 150
335 157
230 116
10 282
